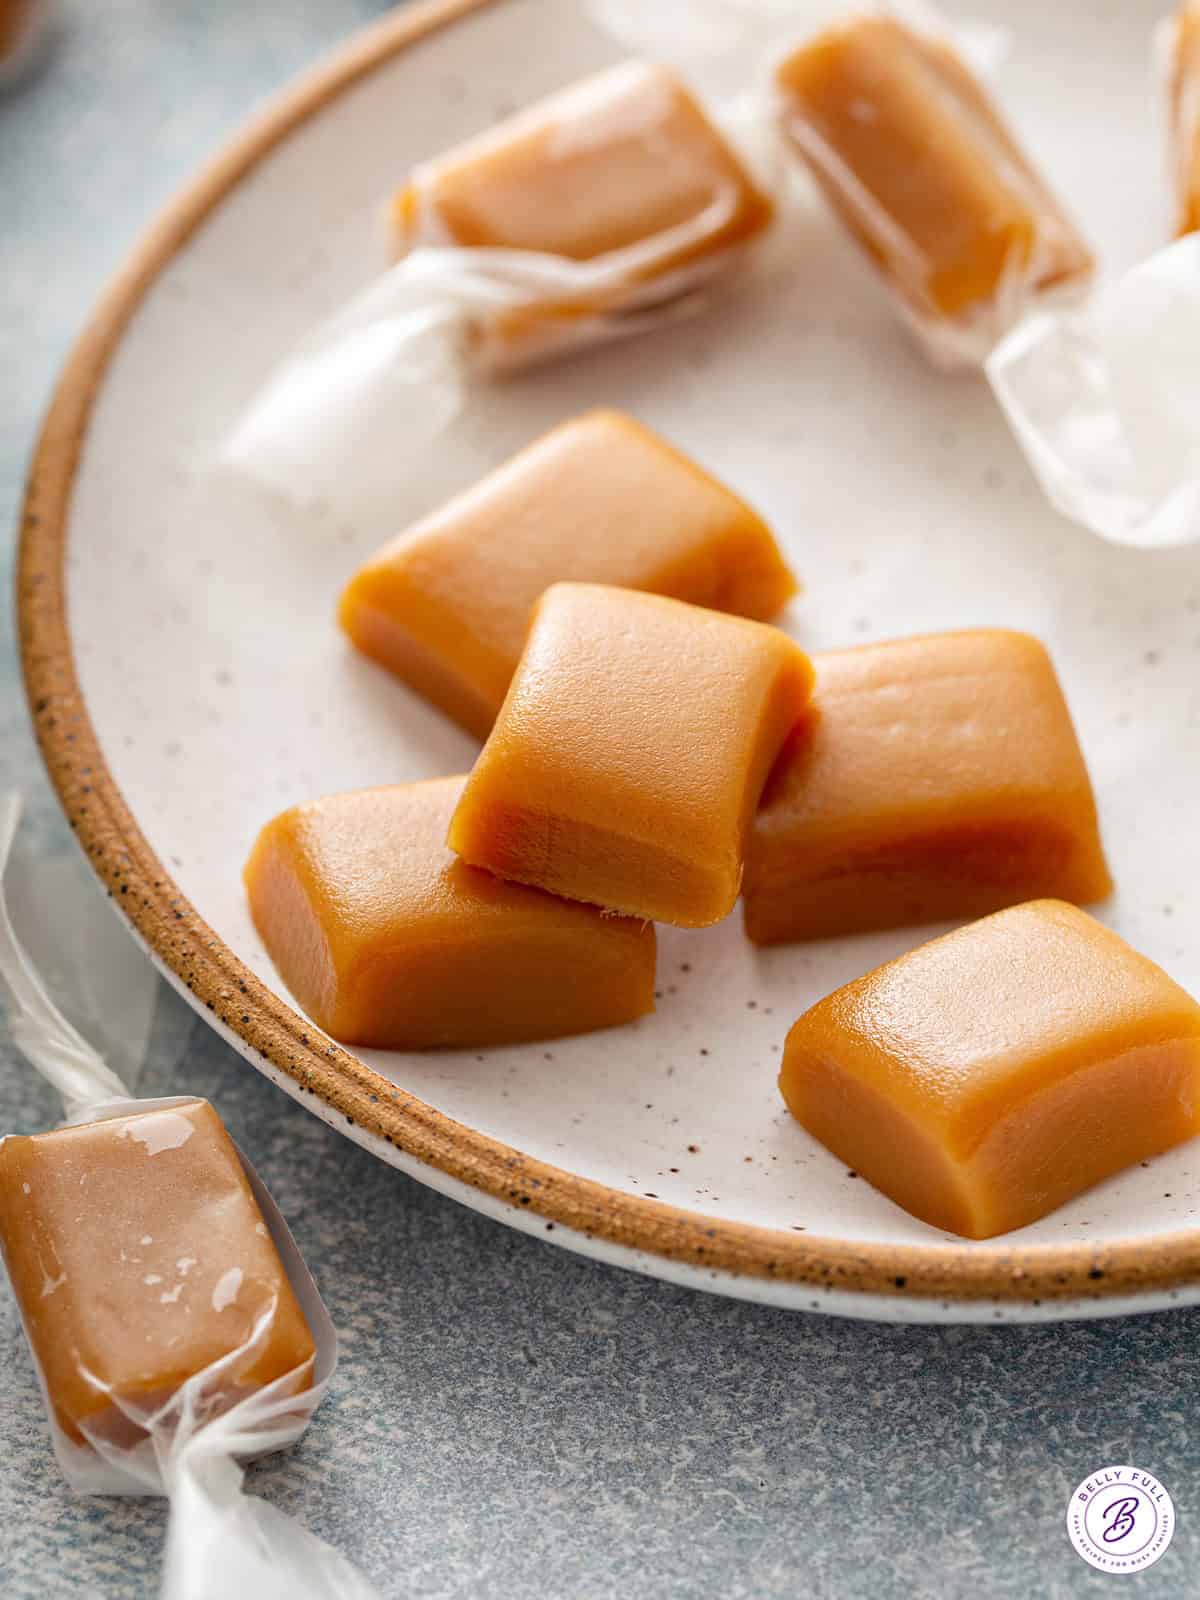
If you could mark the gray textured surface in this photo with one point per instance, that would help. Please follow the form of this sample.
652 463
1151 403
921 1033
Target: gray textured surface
508 1419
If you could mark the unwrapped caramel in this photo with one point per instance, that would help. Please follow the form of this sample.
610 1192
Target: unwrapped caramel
984 1079
387 939
912 154
623 172
933 778
139 1258
599 499
629 755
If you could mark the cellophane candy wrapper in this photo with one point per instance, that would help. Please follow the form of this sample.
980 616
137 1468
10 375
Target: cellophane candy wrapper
885 106
104 984
1106 403
188 1444
398 363
610 208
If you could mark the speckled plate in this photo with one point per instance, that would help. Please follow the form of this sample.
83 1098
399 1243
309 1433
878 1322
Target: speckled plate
187 681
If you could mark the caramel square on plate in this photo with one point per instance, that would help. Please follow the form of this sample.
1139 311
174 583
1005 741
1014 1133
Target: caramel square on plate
984 1079
933 778
629 754
599 499
388 940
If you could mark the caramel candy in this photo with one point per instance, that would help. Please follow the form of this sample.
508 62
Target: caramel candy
21 21
388 940
917 161
1183 95
139 1257
622 171
628 757
984 1079
600 499
934 778
15 17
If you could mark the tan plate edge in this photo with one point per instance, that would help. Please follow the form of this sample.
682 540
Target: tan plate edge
171 927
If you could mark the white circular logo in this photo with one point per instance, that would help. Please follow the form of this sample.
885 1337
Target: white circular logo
1120 1519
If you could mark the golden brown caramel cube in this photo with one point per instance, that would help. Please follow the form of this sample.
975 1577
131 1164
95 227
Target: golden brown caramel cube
623 171
986 1078
387 939
1183 106
599 499
629 755
139 1257
933 778
912 154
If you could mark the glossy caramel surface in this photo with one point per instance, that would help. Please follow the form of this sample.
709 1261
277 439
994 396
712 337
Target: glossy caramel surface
912 153
1183 92
987 1077
934 778
629 755
387 939
625 163
139 1256
599 499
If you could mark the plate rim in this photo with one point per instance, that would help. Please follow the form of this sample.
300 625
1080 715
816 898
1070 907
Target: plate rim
267 1028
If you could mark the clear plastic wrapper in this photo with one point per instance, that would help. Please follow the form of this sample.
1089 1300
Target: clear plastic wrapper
612 207
885 106
106 989
911 152
594 215
1106 403
399 361
97 1224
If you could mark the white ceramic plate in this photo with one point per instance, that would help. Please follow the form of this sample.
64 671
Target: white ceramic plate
210 688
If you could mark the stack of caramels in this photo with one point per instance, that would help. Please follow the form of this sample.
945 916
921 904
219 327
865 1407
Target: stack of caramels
598 611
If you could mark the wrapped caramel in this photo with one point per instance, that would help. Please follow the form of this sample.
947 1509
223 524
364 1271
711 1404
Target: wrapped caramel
886 107
1178 46
600 212
909 149
175 1330
622 179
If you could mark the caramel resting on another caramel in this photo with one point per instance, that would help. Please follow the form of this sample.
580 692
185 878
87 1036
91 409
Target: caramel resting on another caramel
1183 104
139 1257
388 940
600 499
917 161
622 171
934 778
630 752
984 1079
